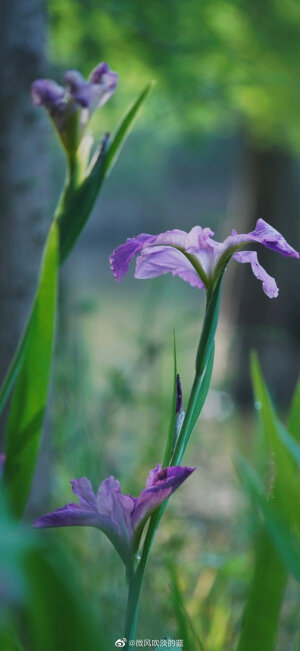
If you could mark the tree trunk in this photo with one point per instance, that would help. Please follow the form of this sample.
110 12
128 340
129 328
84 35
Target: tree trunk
270 326
23 168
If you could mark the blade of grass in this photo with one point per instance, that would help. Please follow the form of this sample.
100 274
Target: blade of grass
29 399
294 414
277 548
282 537
287 483
169 444
185 627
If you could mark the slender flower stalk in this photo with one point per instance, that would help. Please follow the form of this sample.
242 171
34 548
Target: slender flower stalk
197 398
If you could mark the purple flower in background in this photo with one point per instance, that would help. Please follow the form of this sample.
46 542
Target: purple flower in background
78 99
120 517
95 92
196 257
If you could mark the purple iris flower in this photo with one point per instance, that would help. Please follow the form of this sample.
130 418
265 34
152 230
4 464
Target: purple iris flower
79 96
120 517
196 257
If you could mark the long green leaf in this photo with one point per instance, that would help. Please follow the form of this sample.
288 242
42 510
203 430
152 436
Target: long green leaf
56 617
278 548
185 626
282 535
261 614
287 483
78 203
204 388
31 389
294 415
170 438
291 445
15 365
9 640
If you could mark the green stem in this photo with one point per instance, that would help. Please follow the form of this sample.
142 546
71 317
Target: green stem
70 186
186 432
261 615
137 578
203 354
132 609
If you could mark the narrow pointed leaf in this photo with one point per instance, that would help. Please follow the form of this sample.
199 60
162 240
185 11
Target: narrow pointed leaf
287 482
294 415
204 388
291 445
15 365
29 399
56 615
185 629
169 444
283 536
262 609
78 203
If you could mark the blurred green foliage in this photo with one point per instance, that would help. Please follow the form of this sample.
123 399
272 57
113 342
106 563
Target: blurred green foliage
226 64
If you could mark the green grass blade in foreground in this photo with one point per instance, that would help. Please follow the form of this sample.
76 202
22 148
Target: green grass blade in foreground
294 414
262 610
287 482
170 439
9 640
278 548
56 616
285 538
185 629
291 445
29 399
15 365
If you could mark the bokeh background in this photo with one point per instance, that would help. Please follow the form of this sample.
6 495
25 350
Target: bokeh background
216 144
